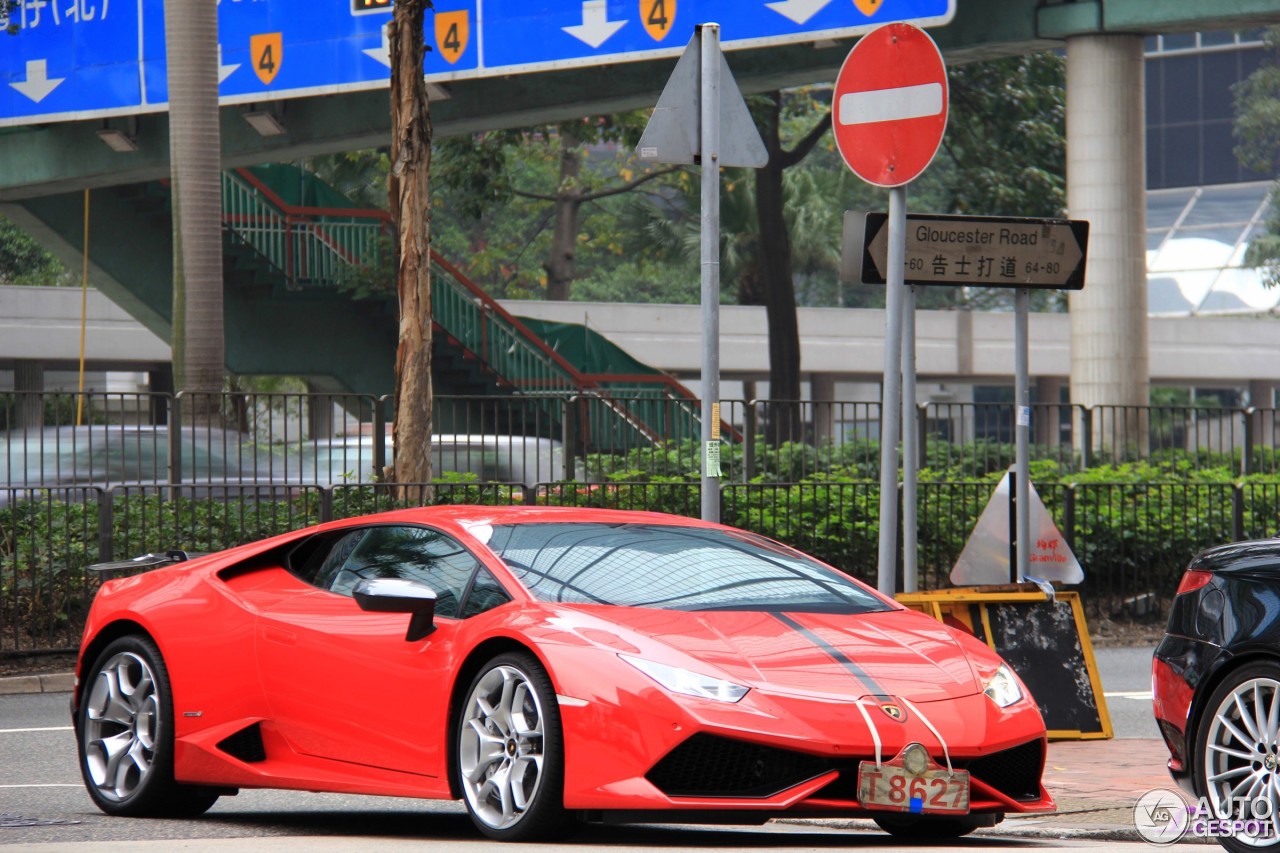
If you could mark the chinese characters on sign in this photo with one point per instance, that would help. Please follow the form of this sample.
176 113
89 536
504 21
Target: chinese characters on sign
971 250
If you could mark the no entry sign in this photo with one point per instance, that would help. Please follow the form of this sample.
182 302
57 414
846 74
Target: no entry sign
890 105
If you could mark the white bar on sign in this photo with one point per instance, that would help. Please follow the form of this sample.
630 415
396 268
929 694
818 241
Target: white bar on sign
890 104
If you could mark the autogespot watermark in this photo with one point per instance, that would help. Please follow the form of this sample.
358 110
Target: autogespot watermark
1162 816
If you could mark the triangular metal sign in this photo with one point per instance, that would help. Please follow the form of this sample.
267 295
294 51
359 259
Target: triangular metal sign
673 132
985 558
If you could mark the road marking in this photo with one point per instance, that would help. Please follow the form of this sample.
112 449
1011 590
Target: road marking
49 785
1130 694
48 729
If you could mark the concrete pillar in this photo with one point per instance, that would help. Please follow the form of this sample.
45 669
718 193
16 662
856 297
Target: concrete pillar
1048 413
822 390
1262 393
160 383
1106 178
28 382
319 414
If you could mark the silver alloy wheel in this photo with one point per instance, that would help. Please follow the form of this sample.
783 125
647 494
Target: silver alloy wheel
500 747
122 712
1242 754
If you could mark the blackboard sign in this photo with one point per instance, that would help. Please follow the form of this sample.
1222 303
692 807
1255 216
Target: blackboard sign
1041 641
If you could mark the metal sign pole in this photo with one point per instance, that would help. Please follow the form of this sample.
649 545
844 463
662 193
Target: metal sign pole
709 151
891 396
910 442
1022 409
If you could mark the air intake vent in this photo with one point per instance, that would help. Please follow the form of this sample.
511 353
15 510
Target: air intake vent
1013 772
710 766
245 745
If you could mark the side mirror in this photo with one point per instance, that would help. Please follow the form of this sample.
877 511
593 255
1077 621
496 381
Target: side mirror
396 595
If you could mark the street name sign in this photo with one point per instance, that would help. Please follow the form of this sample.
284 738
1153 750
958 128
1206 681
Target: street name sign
981 251
889 107
76 59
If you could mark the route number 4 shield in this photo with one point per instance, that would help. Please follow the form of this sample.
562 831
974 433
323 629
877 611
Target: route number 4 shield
453 29
658 17
266 50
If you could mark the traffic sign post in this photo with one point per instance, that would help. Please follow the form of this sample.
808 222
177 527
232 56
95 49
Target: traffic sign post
889 113
702 118
982 251
94 58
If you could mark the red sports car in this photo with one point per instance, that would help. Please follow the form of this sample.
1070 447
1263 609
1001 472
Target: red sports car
547 666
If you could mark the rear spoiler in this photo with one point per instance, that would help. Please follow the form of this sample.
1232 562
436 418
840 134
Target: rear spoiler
144 563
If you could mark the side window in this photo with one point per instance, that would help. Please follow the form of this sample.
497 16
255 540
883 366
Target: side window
338 563
486 594
412 553
318 560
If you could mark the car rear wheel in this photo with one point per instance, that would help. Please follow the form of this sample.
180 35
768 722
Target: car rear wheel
126 736
510 757
920 828
1238 753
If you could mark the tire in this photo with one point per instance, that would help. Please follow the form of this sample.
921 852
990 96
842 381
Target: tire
510 752
1238 721
918 828
126 736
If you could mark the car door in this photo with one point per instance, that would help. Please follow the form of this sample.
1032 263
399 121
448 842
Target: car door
343 683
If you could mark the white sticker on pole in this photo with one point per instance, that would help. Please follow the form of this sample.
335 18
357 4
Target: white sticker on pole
1024 416
712 459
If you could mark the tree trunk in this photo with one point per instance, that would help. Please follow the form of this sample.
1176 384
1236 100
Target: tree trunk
410 207
199 359
784 423
564 239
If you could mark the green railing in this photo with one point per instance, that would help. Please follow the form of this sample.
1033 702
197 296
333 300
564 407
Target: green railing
319 247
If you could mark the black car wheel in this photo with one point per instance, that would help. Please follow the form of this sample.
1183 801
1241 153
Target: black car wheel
1238 752
126 736
920 828
510 755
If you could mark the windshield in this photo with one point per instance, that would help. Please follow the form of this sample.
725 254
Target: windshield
672 568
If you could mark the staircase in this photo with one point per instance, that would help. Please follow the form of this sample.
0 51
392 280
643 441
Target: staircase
284 228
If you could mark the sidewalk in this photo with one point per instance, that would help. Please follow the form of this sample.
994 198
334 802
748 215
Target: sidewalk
1095 782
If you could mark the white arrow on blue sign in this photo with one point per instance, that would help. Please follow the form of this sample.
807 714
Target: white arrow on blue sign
74 59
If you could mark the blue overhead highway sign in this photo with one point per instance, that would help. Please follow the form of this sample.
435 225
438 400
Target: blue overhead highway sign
538 34
74 59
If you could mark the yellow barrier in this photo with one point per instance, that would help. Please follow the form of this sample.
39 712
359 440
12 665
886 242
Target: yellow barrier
1045 641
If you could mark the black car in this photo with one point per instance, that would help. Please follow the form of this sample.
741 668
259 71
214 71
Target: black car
1216 682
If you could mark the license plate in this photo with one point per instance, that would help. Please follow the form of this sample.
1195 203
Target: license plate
890 787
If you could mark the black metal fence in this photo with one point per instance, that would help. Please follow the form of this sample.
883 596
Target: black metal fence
86 478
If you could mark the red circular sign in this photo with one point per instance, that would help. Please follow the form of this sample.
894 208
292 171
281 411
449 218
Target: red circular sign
889 109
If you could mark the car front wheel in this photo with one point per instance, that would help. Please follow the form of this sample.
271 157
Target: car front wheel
126 736
510 757
1237 759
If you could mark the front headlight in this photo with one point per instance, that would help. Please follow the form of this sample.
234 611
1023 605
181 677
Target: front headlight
687 682
1003 688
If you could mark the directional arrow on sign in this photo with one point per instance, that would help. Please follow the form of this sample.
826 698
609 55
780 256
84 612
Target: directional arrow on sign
225 71
381 53
38 84
596 28
981 251
799 11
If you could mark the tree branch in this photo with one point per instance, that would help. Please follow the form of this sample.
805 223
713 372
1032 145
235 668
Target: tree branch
629 185
804 146
538 196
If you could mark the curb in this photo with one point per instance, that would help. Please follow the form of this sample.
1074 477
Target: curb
52 682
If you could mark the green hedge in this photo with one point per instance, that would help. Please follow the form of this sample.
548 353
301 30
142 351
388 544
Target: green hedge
1132 526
